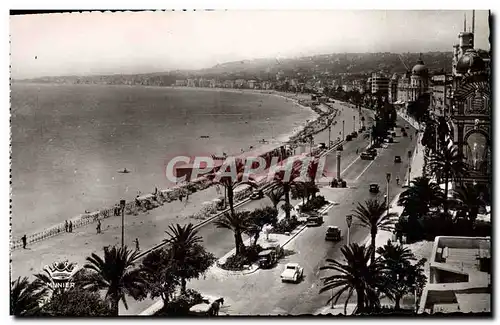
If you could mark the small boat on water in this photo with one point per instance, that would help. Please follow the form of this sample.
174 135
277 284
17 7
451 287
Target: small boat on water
205 136
124 171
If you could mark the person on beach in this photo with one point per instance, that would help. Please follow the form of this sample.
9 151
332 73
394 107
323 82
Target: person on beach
397 180
99 226
66 225
357 151
136 241
70 226
24 241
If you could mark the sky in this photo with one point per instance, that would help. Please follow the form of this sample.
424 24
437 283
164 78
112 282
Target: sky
140 42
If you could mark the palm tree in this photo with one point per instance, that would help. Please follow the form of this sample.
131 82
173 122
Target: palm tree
25 297
184 245
276 196
356 275
287 182
403 273
372 216
238 223
230 183
448 164
116 274
419 197
468 200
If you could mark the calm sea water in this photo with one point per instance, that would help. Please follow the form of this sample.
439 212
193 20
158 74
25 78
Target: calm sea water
68 141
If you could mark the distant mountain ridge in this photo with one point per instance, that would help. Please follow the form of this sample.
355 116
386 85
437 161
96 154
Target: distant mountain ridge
347 65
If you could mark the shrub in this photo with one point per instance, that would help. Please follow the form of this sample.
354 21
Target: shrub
285 225
180 305
314 204
238 262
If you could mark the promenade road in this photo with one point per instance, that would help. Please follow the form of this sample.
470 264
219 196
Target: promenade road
262 293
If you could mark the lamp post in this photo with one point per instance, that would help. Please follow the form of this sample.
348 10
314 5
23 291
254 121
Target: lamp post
409 167
348 220
343 134
354 123
388 177
329 135
339 157
122 207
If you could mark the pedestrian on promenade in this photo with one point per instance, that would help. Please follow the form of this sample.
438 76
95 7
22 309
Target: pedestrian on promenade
70 226
66 225
24 241
136 241
99 226
397 180
357 151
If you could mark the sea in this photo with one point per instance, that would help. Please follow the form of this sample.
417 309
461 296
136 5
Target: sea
68 142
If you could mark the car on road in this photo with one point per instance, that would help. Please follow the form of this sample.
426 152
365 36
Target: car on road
267 258
340 147
204 308
374 188
293 273
348 137
354 134
405 134
372 151
397 159
333 233
257 195
367 156
314 220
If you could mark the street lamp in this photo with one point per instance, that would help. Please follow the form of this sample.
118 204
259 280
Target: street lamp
343 134
329 135
122 207
353 123
388 177
348 220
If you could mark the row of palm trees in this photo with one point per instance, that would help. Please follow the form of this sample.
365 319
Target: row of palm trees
284 184
117 275
392 274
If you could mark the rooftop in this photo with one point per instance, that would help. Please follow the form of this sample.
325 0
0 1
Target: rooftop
460 278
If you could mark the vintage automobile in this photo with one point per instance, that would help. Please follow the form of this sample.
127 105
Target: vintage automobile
257 195
354 134
367 156
372 151
348 137
374 188
333 233
397 159
292 273
267 258
314 220
340 147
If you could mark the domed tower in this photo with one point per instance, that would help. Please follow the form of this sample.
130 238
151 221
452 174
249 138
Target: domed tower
470 62
419 81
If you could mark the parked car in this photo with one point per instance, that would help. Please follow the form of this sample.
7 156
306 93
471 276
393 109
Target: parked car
354 134
367 156
267 258
322 146
405 134
257 195
348 137
390 139
292 273
374 188
397 159
340 147
333 233
314 220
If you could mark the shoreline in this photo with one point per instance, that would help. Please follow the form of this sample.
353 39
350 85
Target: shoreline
315 125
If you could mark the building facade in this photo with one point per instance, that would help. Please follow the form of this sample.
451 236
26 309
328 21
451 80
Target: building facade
379 84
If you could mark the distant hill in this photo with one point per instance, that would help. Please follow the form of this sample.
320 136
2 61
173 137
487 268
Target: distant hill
347 65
